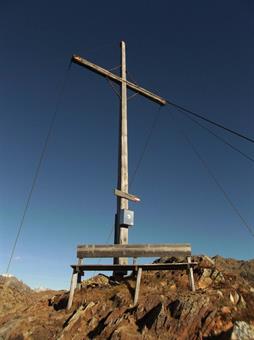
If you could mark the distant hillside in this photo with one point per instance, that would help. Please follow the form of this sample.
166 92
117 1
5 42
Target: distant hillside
243 268
221 308
14 294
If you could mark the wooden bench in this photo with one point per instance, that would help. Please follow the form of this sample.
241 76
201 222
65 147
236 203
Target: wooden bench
130 251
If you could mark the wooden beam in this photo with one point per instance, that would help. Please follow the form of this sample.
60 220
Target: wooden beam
133 267
126 195
115 78
122 232
133 250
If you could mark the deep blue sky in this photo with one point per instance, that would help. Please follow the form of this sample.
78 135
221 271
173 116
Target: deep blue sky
197 53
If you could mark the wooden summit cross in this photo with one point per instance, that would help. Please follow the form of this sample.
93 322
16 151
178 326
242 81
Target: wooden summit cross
121 250
123 217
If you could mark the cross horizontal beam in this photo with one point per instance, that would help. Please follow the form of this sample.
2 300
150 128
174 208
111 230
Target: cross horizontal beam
115 78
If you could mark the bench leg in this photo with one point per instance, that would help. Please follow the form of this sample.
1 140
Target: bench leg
134 261
137 286
79 275
79 281
191 276
74 280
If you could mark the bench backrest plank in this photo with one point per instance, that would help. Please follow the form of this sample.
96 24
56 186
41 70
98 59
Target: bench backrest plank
132 250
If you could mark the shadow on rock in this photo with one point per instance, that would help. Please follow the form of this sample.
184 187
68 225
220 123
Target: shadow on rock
149 318
59 302
99 328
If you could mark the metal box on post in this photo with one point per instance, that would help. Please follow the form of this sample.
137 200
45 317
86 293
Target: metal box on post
126 217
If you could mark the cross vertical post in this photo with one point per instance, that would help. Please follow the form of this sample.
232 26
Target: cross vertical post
121 232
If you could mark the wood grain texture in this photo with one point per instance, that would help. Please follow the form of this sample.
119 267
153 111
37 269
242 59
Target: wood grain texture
133 250
115 78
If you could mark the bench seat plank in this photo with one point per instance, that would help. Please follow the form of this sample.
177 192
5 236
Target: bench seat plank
132 250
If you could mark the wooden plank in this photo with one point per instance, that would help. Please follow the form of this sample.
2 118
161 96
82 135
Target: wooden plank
133 250
129 197
135 245
133 267
137 286
107 74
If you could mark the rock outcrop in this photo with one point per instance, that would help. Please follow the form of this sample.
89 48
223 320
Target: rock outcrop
221 308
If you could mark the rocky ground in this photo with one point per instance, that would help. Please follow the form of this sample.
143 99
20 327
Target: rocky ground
221 308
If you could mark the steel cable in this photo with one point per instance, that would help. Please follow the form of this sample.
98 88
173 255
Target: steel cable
38 167
211 174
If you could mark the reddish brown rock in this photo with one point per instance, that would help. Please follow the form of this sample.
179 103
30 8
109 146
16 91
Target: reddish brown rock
166 309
